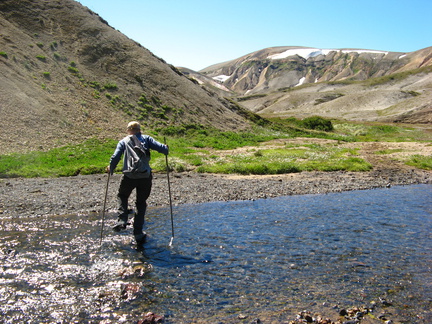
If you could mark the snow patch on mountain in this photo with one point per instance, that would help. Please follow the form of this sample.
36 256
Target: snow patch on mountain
303 52
313 52
221 78
300 81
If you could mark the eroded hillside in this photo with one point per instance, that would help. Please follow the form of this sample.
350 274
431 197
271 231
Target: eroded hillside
66 75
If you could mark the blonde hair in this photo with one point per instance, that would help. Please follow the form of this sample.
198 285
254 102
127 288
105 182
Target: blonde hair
134 125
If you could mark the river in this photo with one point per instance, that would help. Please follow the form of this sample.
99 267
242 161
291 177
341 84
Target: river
230 262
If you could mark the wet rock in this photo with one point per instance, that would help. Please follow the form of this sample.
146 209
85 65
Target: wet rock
306 317
137 271
130 291
343 312
385 302
382 316
151 318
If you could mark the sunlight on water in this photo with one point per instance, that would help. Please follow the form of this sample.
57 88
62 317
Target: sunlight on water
268 258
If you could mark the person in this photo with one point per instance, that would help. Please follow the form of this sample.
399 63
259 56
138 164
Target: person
136 175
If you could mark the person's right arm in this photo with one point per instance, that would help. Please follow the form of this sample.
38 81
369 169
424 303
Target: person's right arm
115 158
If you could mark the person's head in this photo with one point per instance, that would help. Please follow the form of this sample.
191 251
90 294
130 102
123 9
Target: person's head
133 127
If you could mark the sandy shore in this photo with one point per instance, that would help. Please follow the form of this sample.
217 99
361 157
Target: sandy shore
85 194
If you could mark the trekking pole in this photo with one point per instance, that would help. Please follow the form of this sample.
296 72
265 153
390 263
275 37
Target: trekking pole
103 209
170 200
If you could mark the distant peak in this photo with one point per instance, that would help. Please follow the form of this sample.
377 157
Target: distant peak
313 52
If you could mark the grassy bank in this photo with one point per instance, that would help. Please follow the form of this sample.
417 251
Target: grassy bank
194 147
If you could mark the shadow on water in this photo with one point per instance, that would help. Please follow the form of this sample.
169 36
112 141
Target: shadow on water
167 257
267 258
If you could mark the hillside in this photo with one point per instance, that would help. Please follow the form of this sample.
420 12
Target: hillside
353 84
66 75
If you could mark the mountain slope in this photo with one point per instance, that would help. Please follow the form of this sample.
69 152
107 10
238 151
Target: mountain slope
407 100
346 83
66 75
285 67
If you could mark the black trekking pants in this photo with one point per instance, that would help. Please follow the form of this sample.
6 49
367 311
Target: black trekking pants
143 189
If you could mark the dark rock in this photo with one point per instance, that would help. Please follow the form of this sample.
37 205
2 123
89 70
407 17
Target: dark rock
343 312
151 318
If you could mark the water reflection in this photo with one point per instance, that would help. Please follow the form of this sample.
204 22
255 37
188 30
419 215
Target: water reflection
272 257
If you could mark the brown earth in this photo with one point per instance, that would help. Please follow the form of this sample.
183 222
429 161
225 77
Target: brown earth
67 76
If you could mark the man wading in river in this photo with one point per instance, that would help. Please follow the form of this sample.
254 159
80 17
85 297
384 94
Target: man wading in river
136 175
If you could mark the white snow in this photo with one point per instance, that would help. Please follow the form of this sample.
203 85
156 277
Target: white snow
300 81
221 78
364 51
303 52
313 52
402 56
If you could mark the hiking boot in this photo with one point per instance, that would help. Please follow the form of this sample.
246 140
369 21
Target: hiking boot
140 238
120 226
122 221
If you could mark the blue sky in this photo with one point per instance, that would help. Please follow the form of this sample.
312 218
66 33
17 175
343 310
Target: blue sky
198 33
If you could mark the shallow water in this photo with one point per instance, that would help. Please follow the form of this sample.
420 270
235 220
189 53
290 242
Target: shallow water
266 259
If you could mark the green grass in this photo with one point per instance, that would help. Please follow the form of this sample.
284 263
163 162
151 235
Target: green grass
420 161
87 158
203 149
388 151
289 159
372 132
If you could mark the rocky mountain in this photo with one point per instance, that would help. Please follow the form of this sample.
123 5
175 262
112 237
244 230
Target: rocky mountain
354 84
67 75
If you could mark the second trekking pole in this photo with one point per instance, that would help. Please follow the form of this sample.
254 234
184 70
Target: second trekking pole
103 209
170 200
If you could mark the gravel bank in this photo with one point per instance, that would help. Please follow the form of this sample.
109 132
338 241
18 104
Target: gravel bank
84 194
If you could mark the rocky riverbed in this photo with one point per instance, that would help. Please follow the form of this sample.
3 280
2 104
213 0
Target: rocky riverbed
24 202
85 194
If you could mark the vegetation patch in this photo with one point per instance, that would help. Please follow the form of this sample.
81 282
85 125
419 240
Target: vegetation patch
288 160
90 157
110 86
420 161
318 123
372 132
397 76
256 96
388 151
194 147
41 58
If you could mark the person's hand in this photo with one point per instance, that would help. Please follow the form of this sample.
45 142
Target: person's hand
108 169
